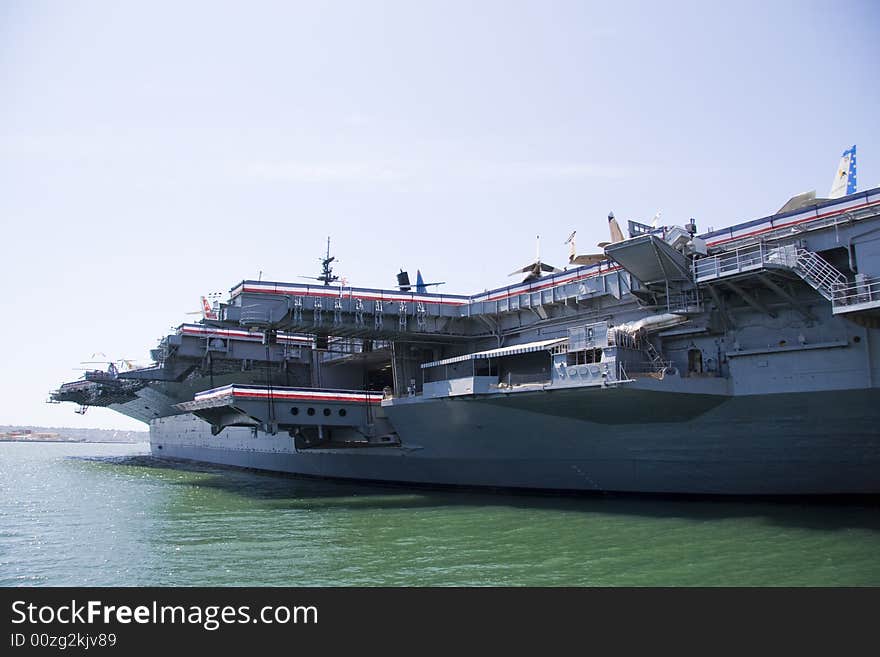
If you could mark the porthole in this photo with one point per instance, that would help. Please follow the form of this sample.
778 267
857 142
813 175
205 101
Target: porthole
311 411
857 339
294 411
326 412
342 412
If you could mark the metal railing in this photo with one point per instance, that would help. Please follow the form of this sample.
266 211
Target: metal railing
745 259
818 274
851 295
810 266
561 348
786 228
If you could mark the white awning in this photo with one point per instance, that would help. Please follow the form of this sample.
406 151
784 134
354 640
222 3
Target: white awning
496 353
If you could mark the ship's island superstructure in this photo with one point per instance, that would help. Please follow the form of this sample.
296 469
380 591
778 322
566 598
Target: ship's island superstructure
739 361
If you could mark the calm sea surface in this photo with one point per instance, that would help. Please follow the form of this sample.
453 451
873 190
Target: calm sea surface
110 515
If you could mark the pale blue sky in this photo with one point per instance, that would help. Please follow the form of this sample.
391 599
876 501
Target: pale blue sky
151 152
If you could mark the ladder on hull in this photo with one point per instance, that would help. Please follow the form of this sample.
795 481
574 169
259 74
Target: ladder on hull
657 361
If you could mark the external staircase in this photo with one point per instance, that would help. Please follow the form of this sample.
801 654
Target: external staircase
818 274
846 297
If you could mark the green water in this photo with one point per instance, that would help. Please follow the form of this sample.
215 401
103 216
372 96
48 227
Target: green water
109 515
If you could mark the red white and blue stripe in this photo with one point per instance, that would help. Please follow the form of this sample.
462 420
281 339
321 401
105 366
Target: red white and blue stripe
235 391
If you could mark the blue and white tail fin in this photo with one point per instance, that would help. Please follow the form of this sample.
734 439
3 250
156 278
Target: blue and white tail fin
845 178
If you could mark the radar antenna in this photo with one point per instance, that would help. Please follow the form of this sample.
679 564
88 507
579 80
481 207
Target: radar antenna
327 275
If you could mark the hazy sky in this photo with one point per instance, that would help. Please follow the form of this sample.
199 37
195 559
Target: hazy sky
152 152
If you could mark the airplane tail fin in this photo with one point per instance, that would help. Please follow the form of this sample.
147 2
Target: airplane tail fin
845 179
420 283
207 311
572 248
614 229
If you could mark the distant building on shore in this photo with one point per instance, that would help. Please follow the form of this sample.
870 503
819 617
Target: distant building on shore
69 435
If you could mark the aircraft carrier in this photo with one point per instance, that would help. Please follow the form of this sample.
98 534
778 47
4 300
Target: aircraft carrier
740 361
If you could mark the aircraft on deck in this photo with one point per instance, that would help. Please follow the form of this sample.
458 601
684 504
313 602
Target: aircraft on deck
536 269
421 287
594 258
844 183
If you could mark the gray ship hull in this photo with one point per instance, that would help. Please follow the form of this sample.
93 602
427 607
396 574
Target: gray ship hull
742 361
625 440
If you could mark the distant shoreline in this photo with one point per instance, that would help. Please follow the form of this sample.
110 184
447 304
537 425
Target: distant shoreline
11 433
61 440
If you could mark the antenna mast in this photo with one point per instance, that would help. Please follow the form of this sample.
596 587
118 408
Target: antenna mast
327 276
